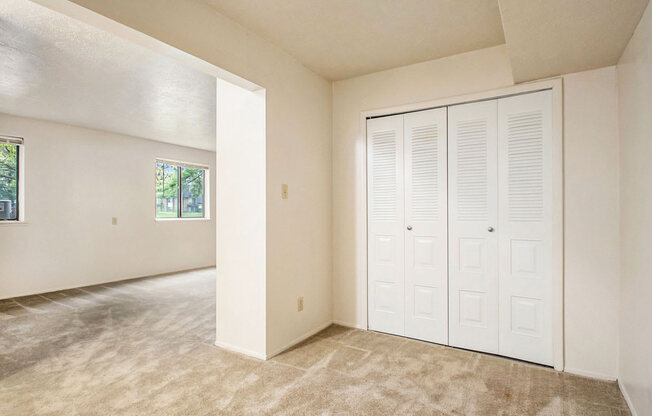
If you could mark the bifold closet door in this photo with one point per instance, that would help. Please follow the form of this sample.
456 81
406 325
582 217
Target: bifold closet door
385 229
525 226
426 289
472 226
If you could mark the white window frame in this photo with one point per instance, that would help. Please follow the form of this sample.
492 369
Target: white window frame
181 164
20 142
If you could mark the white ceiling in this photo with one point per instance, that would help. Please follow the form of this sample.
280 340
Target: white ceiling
55 68
343 38
553 37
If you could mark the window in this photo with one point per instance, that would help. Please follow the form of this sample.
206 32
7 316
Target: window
180 190
9 170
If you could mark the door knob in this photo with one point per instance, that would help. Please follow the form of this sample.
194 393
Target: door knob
409 227
490 229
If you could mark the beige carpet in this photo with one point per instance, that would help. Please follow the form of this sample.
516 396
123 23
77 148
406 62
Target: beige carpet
145 347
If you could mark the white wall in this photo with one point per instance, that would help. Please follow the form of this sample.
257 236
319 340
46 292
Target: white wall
241 232
298 131
591 223
591 189
635 101
76 180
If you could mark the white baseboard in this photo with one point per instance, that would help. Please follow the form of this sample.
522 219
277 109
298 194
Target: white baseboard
589 374
299 339
239 350
349 324
627 399
100 282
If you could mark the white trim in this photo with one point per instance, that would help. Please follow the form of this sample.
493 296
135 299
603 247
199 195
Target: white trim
467 98
299 339
349 325
19 142
554 84
628 400
174 219
589 374
172 162
239 350
22 207
11 140
558 352
9 223
104 282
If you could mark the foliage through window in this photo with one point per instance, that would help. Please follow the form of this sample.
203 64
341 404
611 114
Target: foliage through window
8 179
179 190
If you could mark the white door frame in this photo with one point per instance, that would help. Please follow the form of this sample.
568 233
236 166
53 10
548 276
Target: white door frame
554 84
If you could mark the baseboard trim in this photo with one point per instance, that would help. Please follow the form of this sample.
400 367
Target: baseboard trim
348 324
589 374
299 339
233 348
628 400
103 282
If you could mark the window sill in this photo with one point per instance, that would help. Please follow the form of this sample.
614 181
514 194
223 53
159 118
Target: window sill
9 223
180 219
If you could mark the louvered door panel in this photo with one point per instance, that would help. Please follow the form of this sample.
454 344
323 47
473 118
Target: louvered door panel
473 269
425 213
524 153
525 226
471 177
385 204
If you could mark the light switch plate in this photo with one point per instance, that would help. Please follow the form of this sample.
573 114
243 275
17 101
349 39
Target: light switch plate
284 191
300 304
114 221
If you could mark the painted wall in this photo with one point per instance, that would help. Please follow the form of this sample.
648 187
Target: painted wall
591 188
76 180
298 146
591 233
241 233
635 102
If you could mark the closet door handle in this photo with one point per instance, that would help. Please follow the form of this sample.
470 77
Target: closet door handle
490 229
409 227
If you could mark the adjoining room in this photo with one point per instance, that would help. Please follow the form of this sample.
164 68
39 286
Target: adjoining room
347 207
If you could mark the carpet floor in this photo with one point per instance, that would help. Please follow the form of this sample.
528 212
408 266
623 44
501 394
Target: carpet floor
145 347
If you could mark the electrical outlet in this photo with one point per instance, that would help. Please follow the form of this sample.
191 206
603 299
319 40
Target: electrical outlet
300 304
114 221
284 191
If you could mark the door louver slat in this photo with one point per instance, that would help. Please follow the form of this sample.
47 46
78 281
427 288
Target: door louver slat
384 175
425 173
471 170
525 166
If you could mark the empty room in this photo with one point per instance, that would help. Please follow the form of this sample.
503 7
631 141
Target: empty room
309 207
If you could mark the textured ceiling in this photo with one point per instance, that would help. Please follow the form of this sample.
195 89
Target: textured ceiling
55 68
554 37
343 38
340 39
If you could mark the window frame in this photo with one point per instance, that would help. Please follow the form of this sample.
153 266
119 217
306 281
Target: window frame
19 142
180 165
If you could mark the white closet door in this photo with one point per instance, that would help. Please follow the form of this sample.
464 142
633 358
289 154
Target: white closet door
473 249
426 291
525 226
385 195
